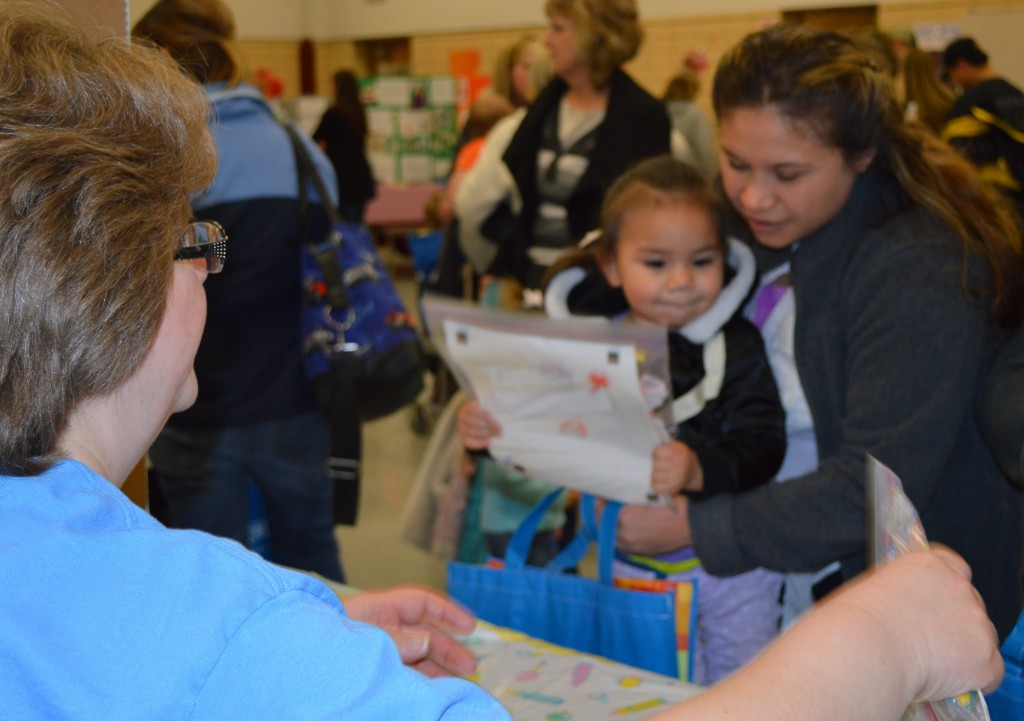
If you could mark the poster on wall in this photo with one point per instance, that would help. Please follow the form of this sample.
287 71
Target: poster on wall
934 37
412 127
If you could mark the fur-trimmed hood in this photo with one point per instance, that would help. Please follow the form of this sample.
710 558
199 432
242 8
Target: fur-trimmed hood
562 296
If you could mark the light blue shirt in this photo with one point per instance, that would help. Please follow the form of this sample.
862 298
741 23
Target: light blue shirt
105 614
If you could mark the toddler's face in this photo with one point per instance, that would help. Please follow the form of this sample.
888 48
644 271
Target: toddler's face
669 263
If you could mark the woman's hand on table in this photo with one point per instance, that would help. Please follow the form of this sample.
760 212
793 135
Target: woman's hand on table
420 622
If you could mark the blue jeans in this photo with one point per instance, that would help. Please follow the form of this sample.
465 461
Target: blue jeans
204 477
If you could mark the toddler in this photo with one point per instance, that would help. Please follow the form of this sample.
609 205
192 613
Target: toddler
662 259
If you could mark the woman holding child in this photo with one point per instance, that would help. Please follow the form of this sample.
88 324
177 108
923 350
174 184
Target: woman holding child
907 277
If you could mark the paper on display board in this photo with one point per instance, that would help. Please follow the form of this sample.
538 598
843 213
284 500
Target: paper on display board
443 90
393 91
574 398
413 124
382 122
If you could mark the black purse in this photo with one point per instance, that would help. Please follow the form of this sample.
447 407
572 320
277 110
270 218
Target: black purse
362 351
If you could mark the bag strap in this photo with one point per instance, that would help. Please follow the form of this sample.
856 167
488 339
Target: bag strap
591 531
343 464
326 251
572 554
518 548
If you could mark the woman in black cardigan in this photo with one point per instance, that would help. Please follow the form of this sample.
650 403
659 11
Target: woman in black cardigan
590 124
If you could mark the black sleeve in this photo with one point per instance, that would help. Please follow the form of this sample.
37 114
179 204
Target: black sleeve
323 127
739 437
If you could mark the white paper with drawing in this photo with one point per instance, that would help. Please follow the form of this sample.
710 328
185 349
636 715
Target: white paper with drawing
568 395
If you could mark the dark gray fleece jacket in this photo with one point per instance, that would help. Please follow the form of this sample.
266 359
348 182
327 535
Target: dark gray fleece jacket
891 352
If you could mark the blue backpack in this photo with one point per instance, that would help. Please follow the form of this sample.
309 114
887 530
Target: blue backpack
362 350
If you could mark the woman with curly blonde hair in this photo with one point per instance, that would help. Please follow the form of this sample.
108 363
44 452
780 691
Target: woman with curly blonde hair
588 125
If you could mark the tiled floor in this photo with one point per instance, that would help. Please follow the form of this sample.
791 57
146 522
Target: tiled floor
372 552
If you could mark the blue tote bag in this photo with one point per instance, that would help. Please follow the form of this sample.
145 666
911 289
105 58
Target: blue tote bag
638 628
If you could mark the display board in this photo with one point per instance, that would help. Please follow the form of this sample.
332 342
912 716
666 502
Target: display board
412 127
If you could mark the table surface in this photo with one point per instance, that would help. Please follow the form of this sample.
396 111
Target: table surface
539 681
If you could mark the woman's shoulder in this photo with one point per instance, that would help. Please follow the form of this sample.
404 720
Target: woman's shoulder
636 118
504 129
880 226
914 266
624 87
910 234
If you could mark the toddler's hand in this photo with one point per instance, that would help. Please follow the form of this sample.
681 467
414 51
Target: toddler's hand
674 468
476 427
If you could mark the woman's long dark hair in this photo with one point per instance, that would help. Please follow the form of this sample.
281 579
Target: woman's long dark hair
346 99
824 82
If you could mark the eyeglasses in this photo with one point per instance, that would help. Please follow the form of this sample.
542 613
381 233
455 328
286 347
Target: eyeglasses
204 243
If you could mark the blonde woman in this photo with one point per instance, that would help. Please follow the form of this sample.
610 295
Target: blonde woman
583 130
514 72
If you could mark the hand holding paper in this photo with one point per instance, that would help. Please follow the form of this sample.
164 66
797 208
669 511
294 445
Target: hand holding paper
675 468
476 427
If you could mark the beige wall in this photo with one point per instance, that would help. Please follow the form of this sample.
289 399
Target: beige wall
905 14
330 20
106 16
666 41
660 56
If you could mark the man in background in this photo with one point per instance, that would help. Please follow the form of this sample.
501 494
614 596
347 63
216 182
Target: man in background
986 124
